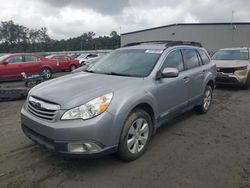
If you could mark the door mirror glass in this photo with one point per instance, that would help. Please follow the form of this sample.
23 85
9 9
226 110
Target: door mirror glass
169 72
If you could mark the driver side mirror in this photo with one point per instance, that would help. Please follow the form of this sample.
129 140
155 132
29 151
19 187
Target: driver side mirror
5 62
167 73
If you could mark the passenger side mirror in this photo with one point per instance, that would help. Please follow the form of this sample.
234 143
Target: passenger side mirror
167 73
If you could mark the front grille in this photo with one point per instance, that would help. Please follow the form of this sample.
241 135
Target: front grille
226 70
42 109
226 80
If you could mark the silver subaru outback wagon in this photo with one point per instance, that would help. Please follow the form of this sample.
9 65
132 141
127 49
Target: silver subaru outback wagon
119 102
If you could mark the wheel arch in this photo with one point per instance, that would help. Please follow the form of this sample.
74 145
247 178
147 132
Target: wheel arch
147 108
211 83
47 67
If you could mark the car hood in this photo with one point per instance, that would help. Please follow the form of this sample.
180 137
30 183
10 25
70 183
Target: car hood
75 89
231 63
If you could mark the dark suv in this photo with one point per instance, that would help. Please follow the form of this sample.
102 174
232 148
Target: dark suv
119 102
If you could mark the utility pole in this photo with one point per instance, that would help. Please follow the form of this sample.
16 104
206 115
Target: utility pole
232 26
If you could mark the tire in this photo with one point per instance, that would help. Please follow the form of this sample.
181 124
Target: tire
47 73
135 135
72 67
245 87
206 101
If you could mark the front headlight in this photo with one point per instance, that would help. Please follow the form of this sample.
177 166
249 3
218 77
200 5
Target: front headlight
241 68
90 109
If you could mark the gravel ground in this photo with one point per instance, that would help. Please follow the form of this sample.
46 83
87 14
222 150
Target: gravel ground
192 151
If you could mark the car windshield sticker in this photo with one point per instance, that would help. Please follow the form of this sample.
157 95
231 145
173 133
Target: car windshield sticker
153 51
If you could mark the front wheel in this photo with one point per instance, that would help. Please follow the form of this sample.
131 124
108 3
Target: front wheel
47 73
135 136
72 67
206 101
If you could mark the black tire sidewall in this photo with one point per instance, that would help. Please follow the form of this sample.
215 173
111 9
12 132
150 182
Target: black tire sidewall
123 150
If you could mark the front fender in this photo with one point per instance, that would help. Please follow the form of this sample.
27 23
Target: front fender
121 109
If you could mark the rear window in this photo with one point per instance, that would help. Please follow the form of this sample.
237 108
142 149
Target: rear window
190 58
231 55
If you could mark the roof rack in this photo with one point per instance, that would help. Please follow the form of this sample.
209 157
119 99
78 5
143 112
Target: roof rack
168 43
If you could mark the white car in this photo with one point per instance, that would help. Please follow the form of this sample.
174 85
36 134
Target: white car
86 57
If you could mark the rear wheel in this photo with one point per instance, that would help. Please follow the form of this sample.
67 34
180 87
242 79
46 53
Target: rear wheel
206 102
47 73
135 136
72 67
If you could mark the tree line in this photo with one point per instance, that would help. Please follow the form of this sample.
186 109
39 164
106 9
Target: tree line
18 38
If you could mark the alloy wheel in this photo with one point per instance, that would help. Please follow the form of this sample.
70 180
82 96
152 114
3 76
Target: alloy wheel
207 99
138 135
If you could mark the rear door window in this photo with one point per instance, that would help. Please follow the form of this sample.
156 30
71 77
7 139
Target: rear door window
204 57
31 59
65 58
190 58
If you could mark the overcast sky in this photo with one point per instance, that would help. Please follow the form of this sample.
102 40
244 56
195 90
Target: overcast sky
71 18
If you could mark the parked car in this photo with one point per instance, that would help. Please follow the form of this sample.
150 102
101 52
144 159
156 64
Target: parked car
12 65
233 66
88 63
83 58
118 103
65 62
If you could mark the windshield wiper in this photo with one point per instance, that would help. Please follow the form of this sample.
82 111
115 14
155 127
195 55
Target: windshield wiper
89 71
118 74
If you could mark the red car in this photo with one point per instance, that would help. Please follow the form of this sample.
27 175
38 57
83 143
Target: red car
65 62
12 65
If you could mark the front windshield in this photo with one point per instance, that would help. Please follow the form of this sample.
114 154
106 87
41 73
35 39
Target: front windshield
135 63
4 57
231 55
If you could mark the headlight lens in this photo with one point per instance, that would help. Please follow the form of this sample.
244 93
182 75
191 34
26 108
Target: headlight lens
241 68
90 109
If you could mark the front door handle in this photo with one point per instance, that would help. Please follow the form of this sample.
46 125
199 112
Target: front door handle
186 79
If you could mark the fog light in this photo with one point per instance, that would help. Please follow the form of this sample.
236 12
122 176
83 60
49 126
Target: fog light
87 147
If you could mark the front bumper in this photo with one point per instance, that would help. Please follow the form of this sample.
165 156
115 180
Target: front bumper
57 135
230 79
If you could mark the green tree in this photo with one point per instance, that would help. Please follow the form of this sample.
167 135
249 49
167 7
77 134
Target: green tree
17 38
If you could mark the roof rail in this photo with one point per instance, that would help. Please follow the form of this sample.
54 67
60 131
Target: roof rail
168 43
190 43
